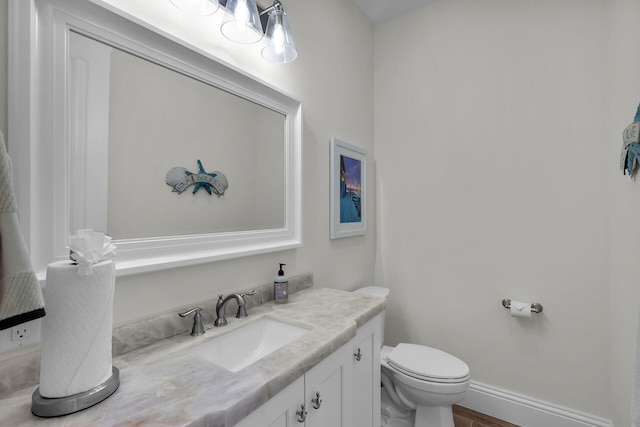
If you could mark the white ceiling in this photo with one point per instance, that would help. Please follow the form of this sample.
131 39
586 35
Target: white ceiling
381 10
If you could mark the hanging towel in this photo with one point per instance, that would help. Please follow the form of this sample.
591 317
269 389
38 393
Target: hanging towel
630 156
635 403
20 294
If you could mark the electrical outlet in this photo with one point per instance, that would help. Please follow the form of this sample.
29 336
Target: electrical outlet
20 332
21 336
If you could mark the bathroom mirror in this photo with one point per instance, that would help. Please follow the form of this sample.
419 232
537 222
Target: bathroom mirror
115 106
159 119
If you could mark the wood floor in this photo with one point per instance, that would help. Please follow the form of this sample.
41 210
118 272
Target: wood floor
463 417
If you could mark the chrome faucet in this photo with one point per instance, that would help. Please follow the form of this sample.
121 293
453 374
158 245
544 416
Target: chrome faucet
221 306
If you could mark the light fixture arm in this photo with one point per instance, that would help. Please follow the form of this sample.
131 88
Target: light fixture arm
277 5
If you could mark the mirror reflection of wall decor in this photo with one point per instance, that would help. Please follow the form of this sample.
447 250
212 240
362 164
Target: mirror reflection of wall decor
348 189
179 178
114 105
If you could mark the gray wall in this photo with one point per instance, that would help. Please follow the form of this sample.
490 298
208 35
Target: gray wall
3 65
498 178
624 205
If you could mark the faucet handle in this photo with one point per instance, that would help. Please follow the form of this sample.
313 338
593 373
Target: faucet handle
219 302
197 329
242 309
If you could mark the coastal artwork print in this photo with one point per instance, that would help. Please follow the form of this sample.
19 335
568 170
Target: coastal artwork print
348 184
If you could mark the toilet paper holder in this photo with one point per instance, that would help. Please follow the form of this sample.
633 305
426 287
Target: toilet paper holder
536 307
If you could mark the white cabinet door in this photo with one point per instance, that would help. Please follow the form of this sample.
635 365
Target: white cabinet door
325 396
280 410
365 401
320 390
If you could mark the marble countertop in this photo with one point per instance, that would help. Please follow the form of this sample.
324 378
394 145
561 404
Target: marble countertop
165 384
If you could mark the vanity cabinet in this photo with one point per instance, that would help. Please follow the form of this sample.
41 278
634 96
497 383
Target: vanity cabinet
365 366
343 390
317 399
280 410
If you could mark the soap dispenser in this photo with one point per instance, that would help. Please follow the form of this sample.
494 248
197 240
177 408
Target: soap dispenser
281 287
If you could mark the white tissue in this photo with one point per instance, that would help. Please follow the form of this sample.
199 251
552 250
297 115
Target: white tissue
89 247
520 309
77 331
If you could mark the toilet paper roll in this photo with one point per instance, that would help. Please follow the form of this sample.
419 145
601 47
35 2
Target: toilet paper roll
520 309
77 331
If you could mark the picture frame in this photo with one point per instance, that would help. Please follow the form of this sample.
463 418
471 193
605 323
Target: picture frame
348 189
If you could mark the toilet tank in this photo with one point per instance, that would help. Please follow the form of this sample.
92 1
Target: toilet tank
375 291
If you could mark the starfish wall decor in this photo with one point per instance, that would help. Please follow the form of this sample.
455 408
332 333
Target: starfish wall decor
213 182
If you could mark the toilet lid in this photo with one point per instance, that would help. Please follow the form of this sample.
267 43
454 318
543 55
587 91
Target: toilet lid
428 363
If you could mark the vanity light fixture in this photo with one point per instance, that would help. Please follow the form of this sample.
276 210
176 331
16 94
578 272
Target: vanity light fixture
242 24
279 45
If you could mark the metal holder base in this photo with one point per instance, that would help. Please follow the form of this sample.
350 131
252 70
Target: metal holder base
536 307
55 407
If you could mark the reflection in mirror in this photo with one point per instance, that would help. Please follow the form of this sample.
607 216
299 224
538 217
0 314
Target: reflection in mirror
159 119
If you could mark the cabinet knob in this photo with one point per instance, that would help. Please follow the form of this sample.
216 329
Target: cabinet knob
316 401
358 355
302 414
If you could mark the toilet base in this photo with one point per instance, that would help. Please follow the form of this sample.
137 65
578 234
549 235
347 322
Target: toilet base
434 416
392 415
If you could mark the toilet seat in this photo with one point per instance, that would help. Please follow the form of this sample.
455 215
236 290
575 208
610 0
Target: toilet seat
427 364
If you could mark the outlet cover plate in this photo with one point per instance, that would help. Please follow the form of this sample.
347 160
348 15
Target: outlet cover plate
26 335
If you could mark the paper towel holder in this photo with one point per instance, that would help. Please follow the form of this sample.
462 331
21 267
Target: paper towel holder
55 407
536 307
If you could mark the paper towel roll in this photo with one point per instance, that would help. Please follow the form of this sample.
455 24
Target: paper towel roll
77 331
520 309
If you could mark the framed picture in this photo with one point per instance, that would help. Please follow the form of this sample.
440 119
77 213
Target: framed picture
348 190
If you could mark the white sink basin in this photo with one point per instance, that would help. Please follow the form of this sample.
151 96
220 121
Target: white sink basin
243 346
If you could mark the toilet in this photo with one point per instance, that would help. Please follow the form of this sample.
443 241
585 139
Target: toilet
420 384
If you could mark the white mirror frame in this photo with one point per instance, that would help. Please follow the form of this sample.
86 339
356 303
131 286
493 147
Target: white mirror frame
40 141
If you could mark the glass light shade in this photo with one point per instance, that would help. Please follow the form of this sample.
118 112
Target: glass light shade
241 22
279 46
197 7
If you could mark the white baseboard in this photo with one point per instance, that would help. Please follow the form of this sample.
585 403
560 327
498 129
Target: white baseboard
525 411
